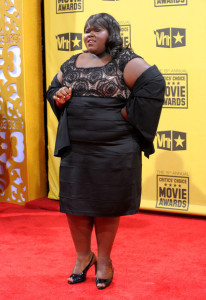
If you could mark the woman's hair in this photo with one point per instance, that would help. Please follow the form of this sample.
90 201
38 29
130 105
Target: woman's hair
114 42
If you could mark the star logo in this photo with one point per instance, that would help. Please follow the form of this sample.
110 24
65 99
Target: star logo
76 42
179 141
178 38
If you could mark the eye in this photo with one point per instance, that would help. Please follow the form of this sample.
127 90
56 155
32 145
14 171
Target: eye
87 29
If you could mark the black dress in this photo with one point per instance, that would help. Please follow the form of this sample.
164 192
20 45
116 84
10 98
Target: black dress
100 171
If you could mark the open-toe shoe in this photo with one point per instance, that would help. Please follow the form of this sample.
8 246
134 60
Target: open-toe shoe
78 278
103 283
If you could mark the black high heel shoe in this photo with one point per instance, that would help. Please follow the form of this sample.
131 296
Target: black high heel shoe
106 282
78 278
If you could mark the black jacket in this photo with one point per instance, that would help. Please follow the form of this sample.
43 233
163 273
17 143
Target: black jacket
144 107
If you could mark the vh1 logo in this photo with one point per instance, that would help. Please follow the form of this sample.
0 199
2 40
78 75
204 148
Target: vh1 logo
170 37
171 140
69 41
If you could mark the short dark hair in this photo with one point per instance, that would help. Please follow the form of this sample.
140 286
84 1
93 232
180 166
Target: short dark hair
114 42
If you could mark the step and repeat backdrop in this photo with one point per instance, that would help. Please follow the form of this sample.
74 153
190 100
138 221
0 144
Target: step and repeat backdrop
171 35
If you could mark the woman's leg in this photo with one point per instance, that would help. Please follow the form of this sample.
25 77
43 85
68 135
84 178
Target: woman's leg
106 229
81 230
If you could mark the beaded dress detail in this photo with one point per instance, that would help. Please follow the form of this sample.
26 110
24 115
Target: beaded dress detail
104 81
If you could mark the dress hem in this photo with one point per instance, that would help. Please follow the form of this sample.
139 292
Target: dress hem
88 214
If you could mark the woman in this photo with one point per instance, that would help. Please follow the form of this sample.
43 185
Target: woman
108 102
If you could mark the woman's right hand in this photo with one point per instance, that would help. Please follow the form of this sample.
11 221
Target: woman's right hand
62 95
124 113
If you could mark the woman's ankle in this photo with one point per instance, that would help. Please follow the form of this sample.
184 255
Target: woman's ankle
104 267
104 259
81 256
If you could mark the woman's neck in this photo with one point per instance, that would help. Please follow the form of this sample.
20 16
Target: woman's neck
102 56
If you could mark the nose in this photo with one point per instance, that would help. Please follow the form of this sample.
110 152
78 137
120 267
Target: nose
91 33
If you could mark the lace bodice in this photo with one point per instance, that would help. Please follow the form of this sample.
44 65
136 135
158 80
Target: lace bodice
105 81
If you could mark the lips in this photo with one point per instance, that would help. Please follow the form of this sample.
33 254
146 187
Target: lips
90 41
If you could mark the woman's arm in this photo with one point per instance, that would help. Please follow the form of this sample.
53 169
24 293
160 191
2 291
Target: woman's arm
133 69
63 94
57 94
143 107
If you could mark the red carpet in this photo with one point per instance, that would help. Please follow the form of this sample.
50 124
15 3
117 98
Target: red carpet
155 256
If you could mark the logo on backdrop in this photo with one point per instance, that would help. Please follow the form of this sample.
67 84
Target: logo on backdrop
69 6
171 140
125 32
69 41
176 92
158 3
172 192
170 37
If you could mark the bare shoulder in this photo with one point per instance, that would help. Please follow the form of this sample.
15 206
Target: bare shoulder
133 69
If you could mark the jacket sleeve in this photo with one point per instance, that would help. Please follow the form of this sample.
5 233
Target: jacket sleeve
53 88
144 107
62 137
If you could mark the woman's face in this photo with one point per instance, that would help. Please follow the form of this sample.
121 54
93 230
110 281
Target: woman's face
95 38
